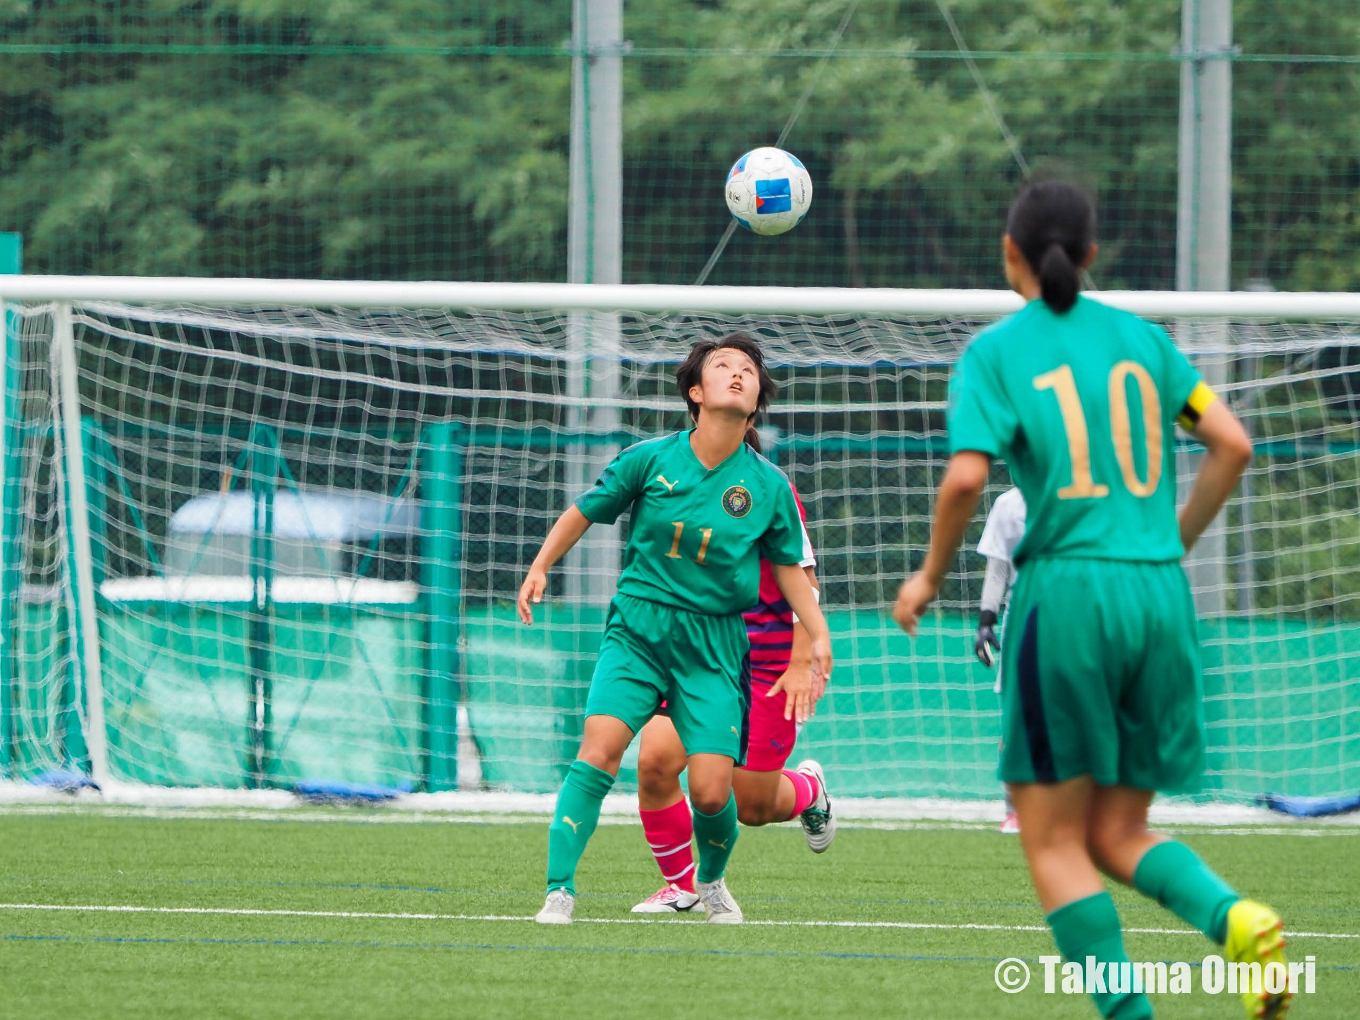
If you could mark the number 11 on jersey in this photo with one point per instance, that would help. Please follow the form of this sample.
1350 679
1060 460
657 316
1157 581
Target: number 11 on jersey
674 554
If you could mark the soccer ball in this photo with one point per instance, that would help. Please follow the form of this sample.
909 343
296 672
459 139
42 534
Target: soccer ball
768 190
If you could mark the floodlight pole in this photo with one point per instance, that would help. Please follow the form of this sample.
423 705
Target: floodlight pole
1203 235
594 255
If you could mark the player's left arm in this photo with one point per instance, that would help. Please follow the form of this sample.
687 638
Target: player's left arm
960 490
1209 421
1229 454
798 591
800 655
787 547
800 651
995 583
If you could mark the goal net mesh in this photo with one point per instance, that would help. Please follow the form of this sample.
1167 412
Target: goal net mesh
308 527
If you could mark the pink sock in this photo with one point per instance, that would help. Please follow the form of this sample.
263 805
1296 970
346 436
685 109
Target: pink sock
670 834
804 791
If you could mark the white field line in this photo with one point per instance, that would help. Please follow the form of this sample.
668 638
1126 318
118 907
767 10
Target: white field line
483 804
381 916
385 816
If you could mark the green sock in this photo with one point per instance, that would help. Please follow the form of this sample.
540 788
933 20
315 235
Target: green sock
1176 878
1090 927
715 836
574 820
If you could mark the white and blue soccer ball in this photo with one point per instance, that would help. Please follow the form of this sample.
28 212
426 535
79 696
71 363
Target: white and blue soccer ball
768 190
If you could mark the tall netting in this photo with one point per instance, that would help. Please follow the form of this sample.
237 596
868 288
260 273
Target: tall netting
427 139
41 704
308 528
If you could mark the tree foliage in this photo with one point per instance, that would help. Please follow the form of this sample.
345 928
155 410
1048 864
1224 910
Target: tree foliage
415 139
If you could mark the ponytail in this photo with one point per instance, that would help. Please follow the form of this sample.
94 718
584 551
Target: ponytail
1053 224
753 438
1058 279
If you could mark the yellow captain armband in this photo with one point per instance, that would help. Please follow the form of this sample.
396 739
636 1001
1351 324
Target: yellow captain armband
1195 405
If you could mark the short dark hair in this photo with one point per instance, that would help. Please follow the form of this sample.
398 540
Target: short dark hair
1053 223
691 370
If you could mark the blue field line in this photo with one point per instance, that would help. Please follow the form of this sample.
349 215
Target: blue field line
599 897
518 948
462 946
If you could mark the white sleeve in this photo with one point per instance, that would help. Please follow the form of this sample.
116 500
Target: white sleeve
995 584
1014 523
1005 527
809 558
993 542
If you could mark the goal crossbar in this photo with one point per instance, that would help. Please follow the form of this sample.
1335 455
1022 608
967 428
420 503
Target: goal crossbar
652 298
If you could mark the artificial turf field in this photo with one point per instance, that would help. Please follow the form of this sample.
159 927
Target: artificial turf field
264 934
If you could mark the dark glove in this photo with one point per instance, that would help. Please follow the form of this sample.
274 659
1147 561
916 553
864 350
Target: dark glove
986 644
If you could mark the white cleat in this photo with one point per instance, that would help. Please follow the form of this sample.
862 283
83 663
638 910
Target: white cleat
557 908
819 825
669 899
1011 825
718 903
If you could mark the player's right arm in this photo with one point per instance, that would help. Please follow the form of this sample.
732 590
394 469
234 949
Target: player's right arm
619 485
565 534
960 489
980 421
1229 453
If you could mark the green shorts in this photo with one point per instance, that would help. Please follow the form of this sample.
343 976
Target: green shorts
1102 669
698 664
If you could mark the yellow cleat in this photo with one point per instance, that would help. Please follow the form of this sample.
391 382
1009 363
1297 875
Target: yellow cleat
1256 935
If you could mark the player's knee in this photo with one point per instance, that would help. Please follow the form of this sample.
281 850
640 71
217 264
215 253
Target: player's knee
709 800
656 772
1098 850
758 813
601 756
1106 839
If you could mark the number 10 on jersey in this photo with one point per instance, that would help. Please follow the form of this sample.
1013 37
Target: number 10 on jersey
1083 485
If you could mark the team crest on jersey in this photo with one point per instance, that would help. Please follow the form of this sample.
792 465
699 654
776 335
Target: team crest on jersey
737 501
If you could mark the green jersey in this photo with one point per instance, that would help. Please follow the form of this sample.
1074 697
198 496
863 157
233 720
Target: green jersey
696 535
1082 407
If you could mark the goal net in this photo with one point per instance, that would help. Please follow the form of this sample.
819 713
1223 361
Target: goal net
263 534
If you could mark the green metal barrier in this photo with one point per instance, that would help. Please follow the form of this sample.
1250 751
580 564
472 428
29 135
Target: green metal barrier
441 577
526 691
262 693
919 718
900 718
345 694
11 516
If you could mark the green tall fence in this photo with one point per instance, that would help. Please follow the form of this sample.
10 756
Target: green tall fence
297 140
